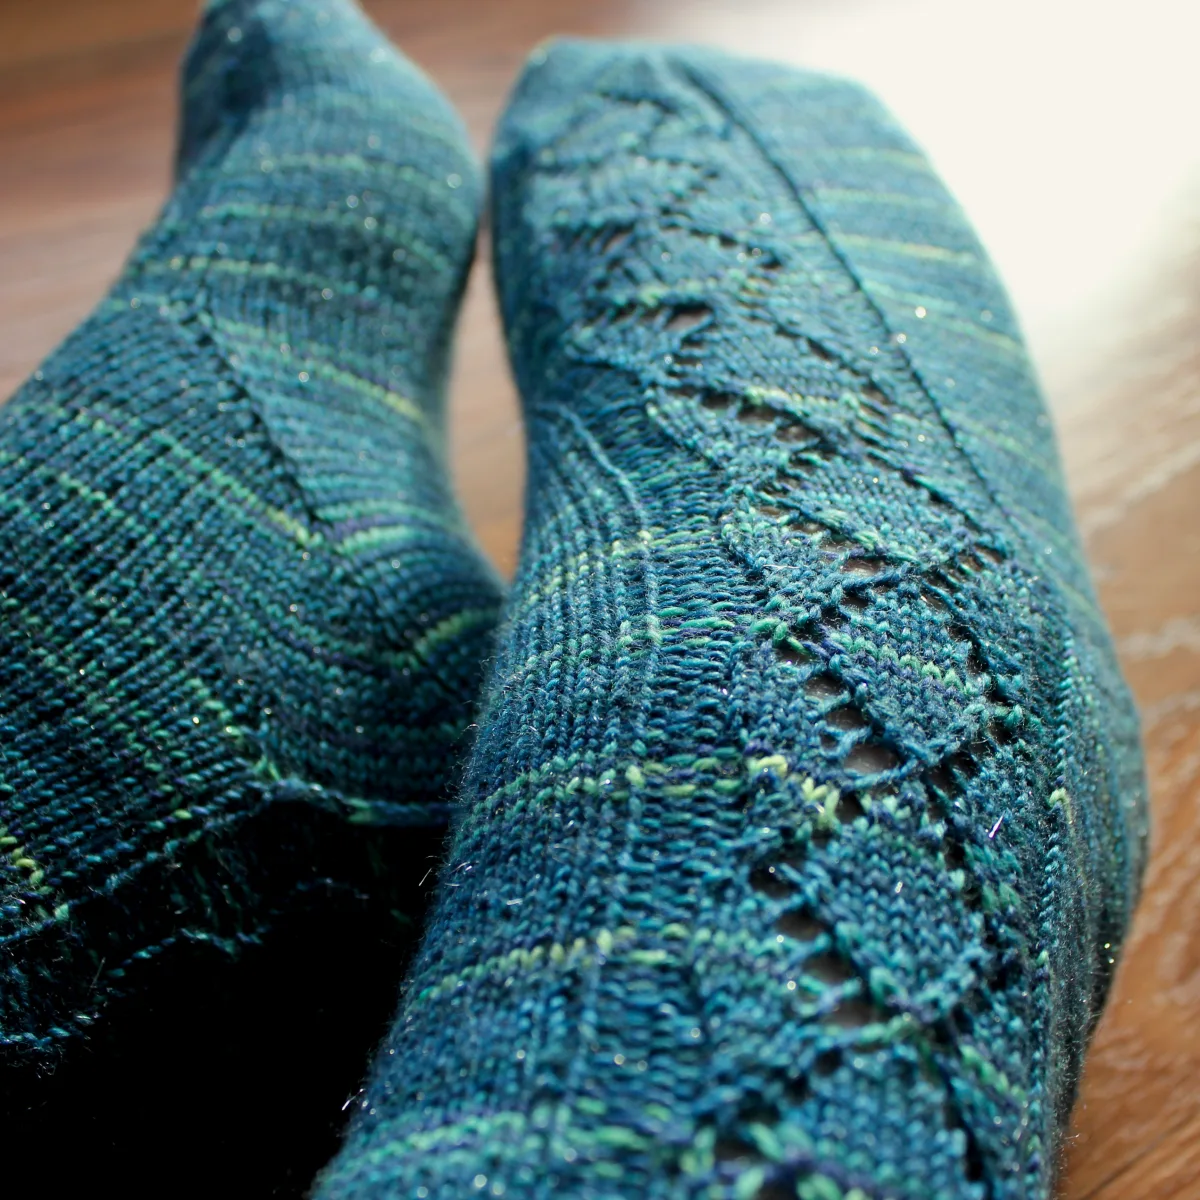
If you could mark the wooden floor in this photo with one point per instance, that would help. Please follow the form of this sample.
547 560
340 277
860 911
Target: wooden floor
1079 184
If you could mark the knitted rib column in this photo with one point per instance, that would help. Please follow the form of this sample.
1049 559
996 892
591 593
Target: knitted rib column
241 619
806 813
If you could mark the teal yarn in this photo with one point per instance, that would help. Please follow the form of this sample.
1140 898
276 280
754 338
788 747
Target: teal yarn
806 812
242 621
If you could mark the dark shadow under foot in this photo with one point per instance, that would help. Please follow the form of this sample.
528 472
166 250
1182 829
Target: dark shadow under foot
232 1076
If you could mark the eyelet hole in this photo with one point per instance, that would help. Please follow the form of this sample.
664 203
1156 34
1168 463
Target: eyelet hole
687 316
860 566
850 808
800 926
756 414
824 687
940 778
616 239
734 1149
829 969
769 882
847 718
870 758
794 431
827 1063
855 1012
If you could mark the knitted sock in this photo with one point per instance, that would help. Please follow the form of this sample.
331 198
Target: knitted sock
241 619
806 812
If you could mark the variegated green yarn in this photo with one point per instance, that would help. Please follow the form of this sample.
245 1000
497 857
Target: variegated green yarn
806 813
242 622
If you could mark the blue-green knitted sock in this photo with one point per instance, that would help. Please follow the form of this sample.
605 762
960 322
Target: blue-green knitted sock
806 813
242 621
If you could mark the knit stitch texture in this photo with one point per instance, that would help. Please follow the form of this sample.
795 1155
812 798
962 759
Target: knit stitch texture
806 813
242 622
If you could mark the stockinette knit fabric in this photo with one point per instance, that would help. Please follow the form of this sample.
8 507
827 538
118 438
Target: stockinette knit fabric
242 621
806 812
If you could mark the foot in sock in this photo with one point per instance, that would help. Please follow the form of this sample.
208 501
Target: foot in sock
806 812
241 619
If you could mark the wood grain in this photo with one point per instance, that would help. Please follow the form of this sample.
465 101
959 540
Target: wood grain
1133 455
86 126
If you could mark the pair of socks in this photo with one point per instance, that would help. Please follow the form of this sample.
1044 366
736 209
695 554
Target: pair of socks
805 813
